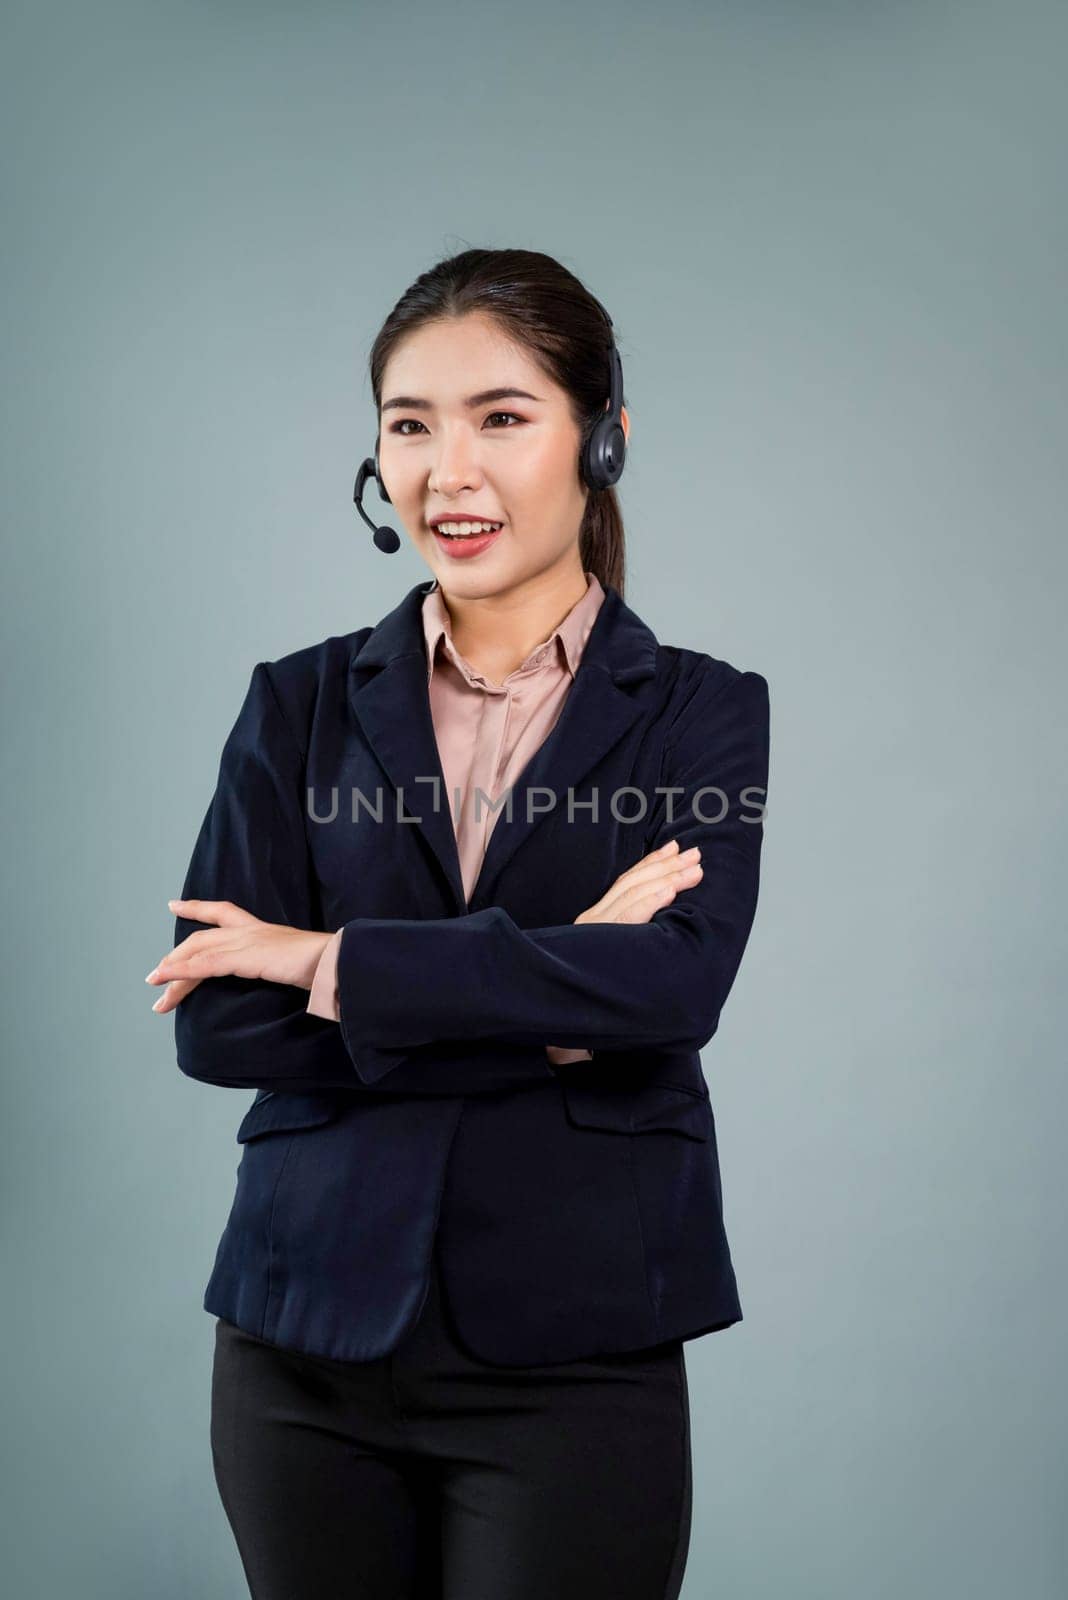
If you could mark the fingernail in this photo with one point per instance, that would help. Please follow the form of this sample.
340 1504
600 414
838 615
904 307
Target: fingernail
158 1003
154 973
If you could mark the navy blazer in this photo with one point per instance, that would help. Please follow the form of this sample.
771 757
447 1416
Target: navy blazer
576 1209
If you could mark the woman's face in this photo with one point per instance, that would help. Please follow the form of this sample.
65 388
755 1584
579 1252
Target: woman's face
449 443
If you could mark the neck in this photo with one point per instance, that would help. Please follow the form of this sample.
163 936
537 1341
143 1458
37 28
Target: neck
496 632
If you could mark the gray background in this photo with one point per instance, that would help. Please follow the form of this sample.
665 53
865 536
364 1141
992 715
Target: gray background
833 240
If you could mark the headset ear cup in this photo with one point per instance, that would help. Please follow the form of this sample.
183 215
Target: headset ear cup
378 476
605 451
591 474
604 454
616 449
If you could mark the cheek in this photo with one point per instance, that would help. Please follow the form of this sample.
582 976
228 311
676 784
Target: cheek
545 482
400 472
407 499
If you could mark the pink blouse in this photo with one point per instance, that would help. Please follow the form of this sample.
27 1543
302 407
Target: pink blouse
486 733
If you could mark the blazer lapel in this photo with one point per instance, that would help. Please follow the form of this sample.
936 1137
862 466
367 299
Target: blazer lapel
388 689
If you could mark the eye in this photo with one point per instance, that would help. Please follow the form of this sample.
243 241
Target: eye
401 426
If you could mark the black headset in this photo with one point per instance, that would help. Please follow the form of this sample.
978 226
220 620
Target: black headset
600 461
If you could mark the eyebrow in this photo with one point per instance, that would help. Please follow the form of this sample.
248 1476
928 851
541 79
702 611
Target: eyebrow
413 403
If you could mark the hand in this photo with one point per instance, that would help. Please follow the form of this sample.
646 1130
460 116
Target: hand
241 946
650 884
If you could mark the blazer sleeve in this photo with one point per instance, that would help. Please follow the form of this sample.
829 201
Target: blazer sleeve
323 1002
604 986
252 849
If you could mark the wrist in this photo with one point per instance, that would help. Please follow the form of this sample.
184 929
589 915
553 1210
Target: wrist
316 944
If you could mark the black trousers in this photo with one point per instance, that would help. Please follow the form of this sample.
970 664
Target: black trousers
430 1475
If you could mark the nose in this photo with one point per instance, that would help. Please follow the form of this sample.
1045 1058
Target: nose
455 464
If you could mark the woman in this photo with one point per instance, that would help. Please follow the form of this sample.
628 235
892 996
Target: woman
478 1211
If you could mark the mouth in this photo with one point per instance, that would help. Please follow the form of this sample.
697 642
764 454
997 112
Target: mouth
465 538
459 527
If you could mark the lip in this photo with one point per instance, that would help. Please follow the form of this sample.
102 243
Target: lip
461 516
467 549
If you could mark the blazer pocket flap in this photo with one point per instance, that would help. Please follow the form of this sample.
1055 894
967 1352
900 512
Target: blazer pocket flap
659 1107
276 1112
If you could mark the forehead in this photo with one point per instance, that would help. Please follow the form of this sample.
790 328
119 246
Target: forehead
445 362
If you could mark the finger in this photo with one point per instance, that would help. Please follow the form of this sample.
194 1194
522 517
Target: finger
669 849
174 994
666 859
652 861
655 892
223 941
652 869
646 902
216 962
682 878
224 912
195 944
643 907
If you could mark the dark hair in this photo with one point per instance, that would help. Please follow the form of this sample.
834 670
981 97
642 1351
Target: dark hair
543 307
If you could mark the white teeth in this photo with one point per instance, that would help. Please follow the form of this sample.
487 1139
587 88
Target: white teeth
464 530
